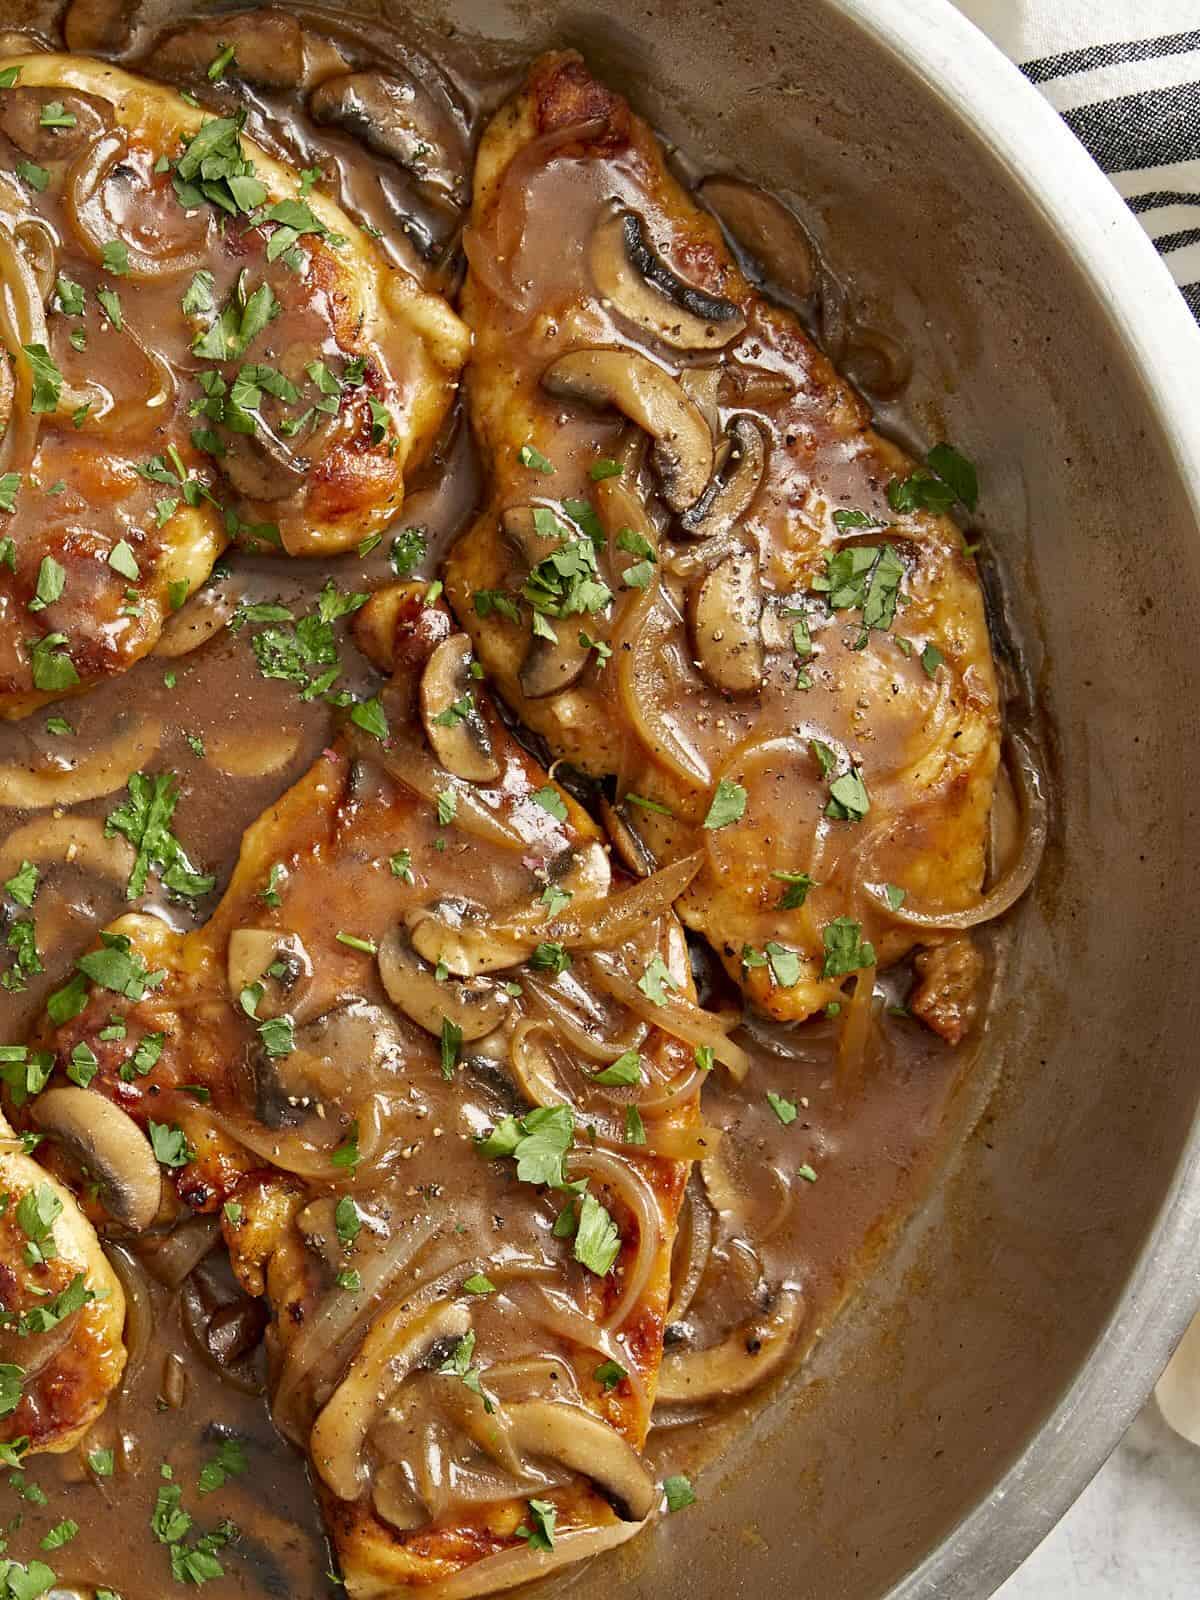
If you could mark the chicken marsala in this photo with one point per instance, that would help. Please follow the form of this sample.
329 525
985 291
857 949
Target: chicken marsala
699 570
384 1163
202 346
352 1003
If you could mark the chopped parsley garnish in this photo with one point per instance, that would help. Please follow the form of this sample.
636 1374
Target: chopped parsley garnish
213 167
538 1142
145 820
785 1110
728 805
567 582
845 949
864 578
447 807
47 379
51 581
52 666
534 459
370 716
542 1515
550 800
23 885
679 1492
229 1462
610 1374
169 1144
796 893
477 1283
549 956
599 470
114 258
408 551
452 1038
947 477
849 801
625 1070
346 1155
656 980
401 865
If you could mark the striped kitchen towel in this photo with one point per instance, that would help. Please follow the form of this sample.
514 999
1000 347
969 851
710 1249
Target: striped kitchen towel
1125 77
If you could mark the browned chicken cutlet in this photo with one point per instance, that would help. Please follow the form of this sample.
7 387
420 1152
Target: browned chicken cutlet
200 346
424 947
690 575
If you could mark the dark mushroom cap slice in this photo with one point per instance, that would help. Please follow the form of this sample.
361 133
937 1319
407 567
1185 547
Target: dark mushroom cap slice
454 724
109 1143
397 117
639 284
730 493
633 384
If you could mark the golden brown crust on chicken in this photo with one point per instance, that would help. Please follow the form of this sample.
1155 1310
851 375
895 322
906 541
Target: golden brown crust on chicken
62 1310
732 661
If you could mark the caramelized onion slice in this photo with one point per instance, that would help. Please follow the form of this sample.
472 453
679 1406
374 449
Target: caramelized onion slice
679 1017
100 773
751 1354
107 160
1035 821
625 1182
337 1317
406 759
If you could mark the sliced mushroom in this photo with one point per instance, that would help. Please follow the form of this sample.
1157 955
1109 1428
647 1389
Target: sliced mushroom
767 230
683 447
398 118
478 1007
641 286
396 1343
271 50
454 724
574 1437
725 612
249 955
21 112
729 493
625 839
260 466
751 1354
467 940
109 1143
290 1088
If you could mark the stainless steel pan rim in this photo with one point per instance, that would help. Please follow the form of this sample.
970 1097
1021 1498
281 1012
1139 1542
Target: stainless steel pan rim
960 67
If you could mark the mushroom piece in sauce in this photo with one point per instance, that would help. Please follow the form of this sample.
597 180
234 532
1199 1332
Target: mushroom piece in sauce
631 383
641 286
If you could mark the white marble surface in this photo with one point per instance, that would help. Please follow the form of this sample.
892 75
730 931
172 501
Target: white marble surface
1134 1534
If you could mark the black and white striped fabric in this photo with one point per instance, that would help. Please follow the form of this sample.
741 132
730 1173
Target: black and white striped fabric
1125 77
